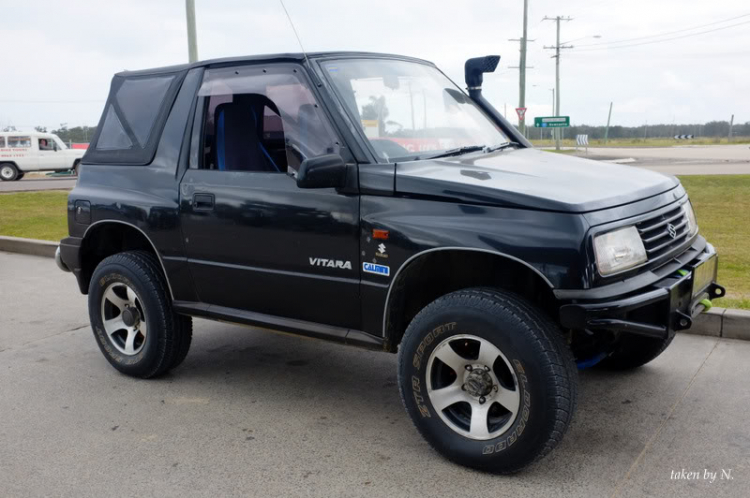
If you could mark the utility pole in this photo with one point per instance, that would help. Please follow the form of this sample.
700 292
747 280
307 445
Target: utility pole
731 125
557 49
192 38
606 130
522 68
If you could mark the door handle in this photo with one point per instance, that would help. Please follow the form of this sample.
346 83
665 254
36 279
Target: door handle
203 202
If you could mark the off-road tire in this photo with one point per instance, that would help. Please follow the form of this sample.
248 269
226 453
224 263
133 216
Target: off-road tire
169 335
543 364
633 351
9 172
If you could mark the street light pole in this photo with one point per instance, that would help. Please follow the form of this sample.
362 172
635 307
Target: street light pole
192 38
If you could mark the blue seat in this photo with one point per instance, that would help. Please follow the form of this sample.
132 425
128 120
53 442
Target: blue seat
238 145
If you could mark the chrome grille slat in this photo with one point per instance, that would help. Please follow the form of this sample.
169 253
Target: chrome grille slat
655 234
662 223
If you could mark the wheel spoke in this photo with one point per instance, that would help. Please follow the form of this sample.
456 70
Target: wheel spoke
114 324
488 353
479 427
116 300
446 354
129 342
444 397
143 328
131 296
510 400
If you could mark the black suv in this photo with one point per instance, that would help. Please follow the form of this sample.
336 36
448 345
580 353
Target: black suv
366 199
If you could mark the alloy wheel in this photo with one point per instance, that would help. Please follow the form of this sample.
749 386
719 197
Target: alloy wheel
124 318
473 387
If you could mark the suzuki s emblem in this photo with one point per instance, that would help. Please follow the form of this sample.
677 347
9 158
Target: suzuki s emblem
672 230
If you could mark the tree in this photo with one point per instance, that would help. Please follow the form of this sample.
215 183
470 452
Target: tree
376 110
41 129
79 134
10 128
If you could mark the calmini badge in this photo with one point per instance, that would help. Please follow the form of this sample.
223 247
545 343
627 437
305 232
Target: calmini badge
376 269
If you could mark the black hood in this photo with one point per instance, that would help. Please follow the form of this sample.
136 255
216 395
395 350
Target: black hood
532 179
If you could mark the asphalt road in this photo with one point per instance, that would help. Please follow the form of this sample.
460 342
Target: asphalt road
31 184
253 413
684 160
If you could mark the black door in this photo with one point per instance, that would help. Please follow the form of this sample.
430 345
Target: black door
254 240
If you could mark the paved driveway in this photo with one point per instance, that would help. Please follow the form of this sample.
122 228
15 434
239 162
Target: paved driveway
252 413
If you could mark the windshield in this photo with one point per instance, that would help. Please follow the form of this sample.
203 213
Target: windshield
409 110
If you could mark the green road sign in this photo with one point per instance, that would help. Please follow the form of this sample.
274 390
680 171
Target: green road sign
552 122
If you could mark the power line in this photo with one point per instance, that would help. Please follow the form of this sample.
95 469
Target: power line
666 39
627 40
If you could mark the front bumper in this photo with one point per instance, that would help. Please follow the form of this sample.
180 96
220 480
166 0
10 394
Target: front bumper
658 310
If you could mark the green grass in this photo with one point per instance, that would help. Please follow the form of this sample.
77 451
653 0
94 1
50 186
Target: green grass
639 142
722 204
34 215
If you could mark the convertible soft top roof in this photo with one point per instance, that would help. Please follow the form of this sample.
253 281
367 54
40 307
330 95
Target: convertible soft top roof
284 57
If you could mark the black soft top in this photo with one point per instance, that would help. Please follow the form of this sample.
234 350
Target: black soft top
284 57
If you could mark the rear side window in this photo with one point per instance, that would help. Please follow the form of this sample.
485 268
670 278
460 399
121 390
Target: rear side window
19 142
2 142
133 118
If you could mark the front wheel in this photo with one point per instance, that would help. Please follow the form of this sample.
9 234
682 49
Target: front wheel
8 172
487 379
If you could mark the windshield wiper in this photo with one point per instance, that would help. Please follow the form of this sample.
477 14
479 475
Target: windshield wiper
458 151
503 145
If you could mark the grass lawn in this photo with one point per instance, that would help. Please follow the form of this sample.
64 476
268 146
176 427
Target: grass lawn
34 215
722 204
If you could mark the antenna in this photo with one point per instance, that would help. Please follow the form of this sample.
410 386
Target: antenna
293 29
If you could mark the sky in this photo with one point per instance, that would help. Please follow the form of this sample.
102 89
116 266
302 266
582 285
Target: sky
59 57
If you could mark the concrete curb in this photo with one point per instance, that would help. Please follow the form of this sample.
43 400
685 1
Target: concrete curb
33 247
716 322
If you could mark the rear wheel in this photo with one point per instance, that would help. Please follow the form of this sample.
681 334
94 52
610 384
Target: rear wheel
76 167
632 351
132 317
8 172
487 379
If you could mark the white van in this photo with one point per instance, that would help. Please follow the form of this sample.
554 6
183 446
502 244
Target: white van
21 152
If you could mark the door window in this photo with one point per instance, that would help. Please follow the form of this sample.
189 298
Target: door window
46 144
19 142
262 119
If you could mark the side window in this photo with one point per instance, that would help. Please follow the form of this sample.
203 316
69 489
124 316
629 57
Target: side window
46 144
2 142
136 104
262 119
19 142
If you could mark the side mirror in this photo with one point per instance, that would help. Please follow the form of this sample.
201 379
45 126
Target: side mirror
322 172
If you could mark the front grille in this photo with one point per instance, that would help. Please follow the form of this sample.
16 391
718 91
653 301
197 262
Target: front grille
656 233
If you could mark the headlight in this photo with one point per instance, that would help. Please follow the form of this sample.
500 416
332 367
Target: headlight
692 222
619 250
